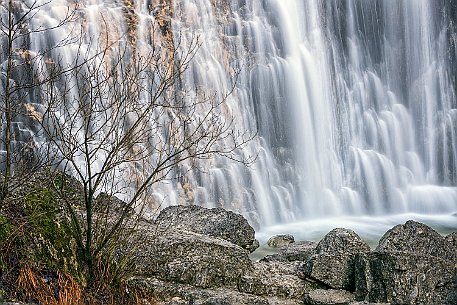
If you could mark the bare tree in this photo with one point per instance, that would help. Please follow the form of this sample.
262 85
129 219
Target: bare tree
120 123
23 72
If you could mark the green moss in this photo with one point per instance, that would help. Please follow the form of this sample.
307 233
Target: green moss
51 234
5 229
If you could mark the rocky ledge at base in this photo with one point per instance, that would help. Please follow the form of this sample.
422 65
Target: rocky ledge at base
200 256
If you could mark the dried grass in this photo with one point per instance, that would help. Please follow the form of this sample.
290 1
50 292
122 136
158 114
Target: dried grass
63 291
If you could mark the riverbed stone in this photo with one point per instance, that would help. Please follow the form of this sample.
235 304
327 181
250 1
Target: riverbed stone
215 222
278 241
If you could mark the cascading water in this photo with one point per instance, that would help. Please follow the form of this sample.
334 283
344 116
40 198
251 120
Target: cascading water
354 101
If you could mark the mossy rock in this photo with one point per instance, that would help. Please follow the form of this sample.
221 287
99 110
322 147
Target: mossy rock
50 232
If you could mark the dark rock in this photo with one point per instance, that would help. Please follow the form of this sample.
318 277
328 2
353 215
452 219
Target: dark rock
192 258
415 237
277 279
328 297
298 251
278 241
333 263
362 274
215 222
405 278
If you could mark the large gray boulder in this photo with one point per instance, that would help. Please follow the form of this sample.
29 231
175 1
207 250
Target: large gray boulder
171 293
333 261
405 278
342 241
415 237
192 258
412 264
278 279
215 222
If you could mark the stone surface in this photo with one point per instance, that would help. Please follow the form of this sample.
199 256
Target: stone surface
328 297
415 237
333 263
452 240
278 241
342 241
413 264
192 258
298 251
405 278
334 270
276 279
215 222
367 303
176 294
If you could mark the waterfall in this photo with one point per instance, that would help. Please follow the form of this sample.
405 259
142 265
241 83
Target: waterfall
354 102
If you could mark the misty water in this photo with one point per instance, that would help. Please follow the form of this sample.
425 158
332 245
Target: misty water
354 103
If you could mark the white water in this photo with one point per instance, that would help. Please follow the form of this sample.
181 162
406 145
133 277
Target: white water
354 103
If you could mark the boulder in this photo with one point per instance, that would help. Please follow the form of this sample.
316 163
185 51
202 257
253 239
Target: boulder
192 258
278 241
415 237
405 278
179 294
333 261
215 222
452 240
413 264
342 241
298 251
334 270
278 279
328 297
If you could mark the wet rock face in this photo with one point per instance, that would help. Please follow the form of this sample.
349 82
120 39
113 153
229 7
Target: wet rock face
192 258
333 261
215 222
415 237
